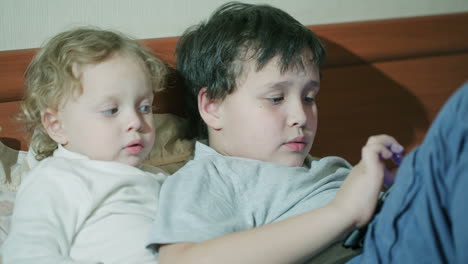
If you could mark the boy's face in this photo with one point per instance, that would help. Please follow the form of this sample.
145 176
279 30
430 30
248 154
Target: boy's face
112 119
271 116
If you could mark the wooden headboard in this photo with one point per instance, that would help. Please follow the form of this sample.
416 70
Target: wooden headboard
385 76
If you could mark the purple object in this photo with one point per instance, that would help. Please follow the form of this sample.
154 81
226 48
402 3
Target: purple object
388 176
397 157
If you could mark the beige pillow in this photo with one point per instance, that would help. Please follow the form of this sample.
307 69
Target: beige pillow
10 167
10 178
170 150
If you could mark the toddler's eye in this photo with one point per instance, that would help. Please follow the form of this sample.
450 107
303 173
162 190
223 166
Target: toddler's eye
146 109
111 111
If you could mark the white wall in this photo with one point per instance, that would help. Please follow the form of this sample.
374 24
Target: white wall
28 23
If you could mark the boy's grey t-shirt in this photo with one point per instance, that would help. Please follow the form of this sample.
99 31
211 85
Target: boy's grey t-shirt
214 195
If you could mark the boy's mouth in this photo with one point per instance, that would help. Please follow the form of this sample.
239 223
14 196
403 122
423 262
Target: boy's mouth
297 144
134 147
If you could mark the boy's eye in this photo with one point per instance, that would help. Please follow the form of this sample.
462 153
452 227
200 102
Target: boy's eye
111 111
146 109
309 99
276 100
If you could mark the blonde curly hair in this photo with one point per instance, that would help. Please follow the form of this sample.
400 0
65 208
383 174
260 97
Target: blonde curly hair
50 78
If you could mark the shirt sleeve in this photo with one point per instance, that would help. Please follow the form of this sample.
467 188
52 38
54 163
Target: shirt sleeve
46 216
196 203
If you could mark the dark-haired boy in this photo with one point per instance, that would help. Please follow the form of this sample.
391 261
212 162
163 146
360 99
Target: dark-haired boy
251 195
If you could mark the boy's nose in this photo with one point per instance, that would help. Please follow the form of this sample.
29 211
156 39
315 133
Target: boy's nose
297 115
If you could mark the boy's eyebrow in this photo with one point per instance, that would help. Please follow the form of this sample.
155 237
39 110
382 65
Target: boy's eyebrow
315 85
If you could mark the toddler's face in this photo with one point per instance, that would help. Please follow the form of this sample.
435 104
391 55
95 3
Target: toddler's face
271 116
112 119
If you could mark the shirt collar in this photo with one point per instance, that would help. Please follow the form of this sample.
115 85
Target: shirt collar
203 150
62 152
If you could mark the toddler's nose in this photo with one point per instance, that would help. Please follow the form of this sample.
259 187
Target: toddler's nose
135 121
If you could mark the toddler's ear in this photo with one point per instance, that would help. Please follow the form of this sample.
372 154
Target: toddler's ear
209 110
53 126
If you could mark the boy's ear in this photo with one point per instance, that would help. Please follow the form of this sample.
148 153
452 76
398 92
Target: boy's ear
209 110
53 126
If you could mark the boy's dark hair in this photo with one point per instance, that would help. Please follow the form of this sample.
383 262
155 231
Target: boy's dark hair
212 53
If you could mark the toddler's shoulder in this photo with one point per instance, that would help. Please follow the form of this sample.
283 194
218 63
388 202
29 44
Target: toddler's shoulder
51 170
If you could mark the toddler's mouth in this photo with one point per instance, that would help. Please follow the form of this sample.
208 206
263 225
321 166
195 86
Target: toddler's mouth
134 147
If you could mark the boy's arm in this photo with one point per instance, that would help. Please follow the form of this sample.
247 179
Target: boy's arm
301 237
295 239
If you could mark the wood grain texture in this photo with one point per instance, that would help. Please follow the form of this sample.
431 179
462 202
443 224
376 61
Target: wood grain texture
394 39
400 98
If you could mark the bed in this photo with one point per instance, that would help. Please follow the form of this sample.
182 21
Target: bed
384 76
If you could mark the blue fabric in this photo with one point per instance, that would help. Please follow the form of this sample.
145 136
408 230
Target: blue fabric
425 217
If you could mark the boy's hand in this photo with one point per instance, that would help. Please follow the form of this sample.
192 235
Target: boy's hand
359 193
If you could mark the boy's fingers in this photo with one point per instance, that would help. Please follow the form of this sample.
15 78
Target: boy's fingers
384 140
376 150
388 141
396 148
382 147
